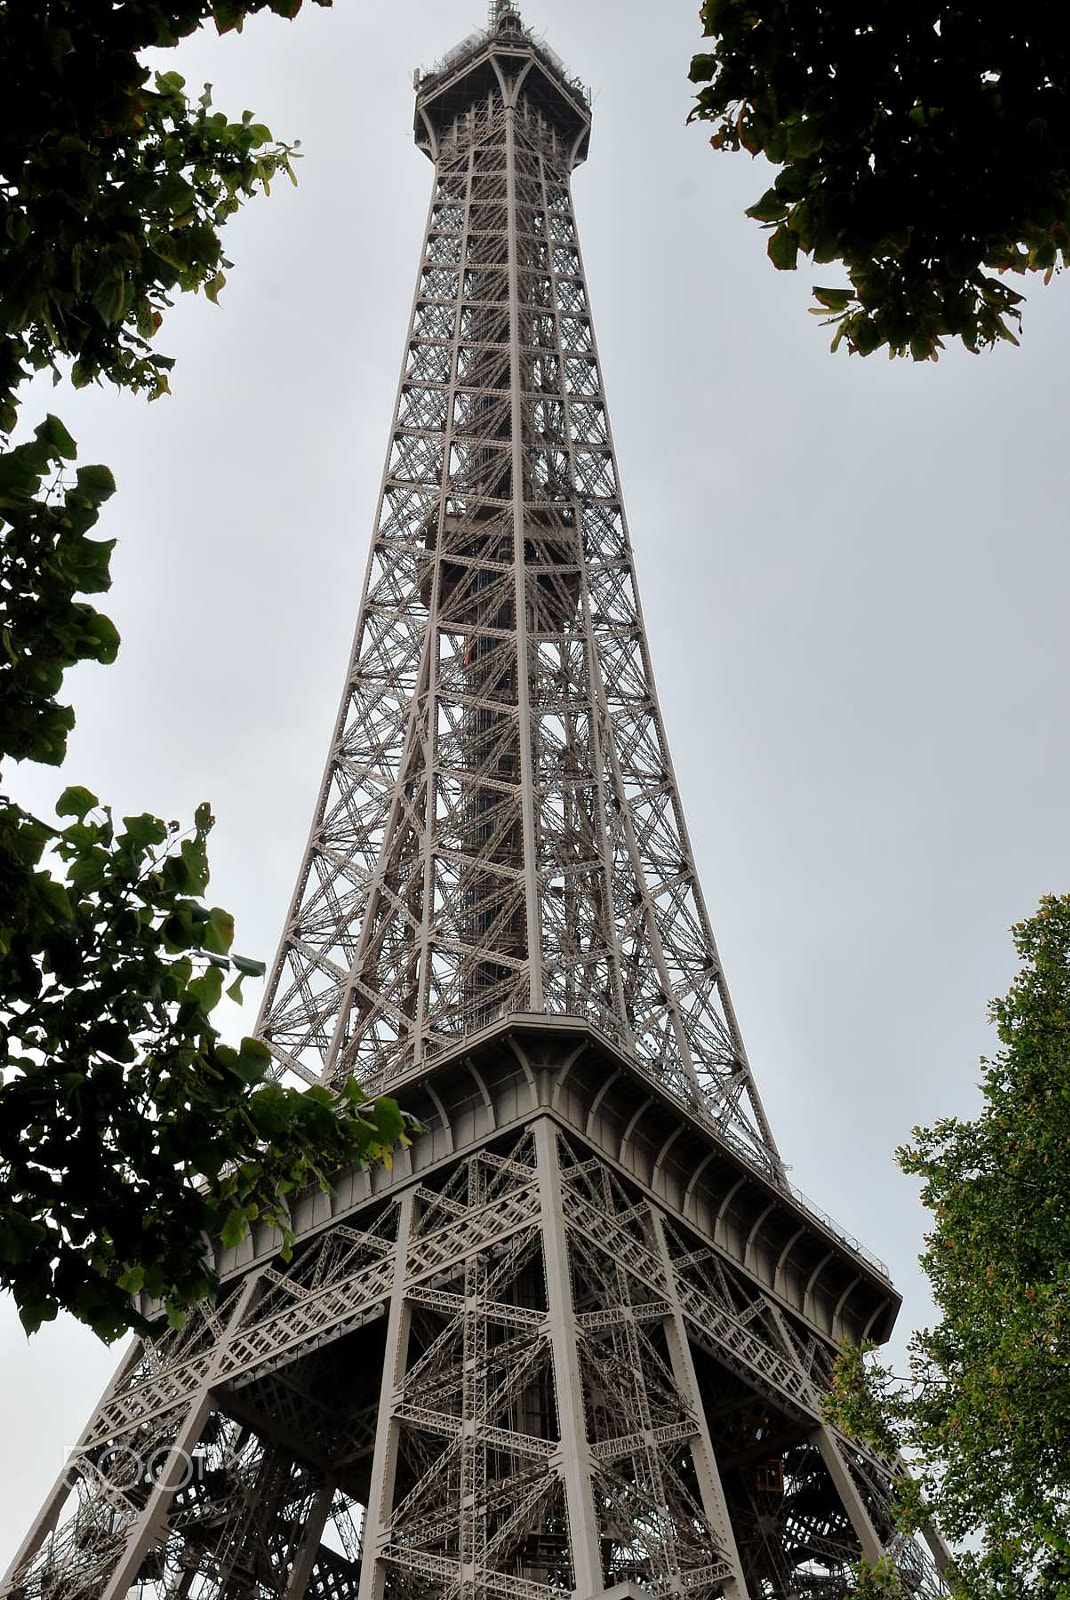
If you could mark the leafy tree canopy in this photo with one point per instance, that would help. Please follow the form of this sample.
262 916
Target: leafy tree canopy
984 1414
131 1136
114 184
923 144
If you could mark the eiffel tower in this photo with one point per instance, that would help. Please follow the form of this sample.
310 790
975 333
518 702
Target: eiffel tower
575 1340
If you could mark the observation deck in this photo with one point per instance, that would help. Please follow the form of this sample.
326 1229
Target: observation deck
479 65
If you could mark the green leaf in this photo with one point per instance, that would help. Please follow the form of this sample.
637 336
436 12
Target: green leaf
53 433
194 862
145 830
175 194
783 249
76 802
104 634
19 1237
834 299
865 335
770 208
228 14
219 934
387 1120
254 1059
804 138
234 1229
256 1049
20 474
248 968
54 898
207 989
32 1313
271 1111
110 298
96 483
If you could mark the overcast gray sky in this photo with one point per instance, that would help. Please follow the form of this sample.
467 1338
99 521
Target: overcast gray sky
854 575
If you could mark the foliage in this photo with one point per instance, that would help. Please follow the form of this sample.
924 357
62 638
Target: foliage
984 1416
880 1582
925 145
47 560
113 185
130 1135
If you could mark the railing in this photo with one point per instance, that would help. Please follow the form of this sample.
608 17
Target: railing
475 42
607 1025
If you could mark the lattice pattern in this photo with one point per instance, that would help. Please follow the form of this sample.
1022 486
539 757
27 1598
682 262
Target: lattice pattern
499 829
689 1397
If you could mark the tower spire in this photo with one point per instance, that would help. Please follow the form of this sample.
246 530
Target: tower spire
577 1337
499 10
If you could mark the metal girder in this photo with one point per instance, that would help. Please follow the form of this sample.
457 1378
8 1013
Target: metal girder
564 1388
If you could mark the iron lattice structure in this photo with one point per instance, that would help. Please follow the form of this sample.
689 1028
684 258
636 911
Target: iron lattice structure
576 1339
499 829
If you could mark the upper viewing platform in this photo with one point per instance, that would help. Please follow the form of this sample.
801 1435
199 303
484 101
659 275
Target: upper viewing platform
495 57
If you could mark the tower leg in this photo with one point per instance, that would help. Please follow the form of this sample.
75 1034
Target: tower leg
847 1489
384 1460
49 1514
711 1489
148 1524
937 1547
310 1543
575 1455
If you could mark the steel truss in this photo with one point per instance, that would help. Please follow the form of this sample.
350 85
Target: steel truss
499 828
576 1392
514 1366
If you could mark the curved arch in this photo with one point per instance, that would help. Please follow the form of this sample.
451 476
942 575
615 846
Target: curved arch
562 1073
436 1100
719 1231
878 1310
727 1201
510 88
626 1136
699 1170
821 1265
659 1159
477 1078
592 1110
525 1066
432 137
783 1256
753 1234
845 1296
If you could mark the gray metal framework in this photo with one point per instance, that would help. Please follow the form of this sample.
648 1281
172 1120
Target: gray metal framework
576 1339
499 828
